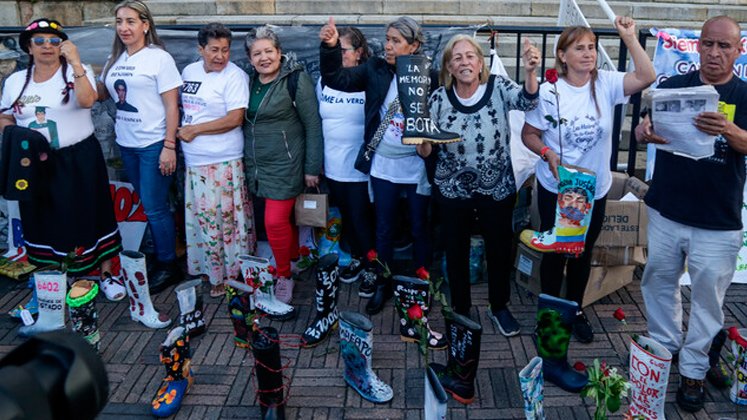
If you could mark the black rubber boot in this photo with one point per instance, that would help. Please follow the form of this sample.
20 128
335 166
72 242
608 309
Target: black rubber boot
409 291
165 274
555 318
191 315
270 389
458 376
240 312
413 85
717 373
82 306
327 287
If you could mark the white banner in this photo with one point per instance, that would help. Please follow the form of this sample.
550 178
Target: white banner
569 15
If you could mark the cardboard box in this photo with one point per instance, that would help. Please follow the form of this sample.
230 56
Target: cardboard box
625 222
602 280
610 256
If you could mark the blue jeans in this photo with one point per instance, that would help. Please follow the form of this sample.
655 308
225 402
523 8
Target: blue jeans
141 165
386 196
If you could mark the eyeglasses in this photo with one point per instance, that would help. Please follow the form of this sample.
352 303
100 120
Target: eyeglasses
40 41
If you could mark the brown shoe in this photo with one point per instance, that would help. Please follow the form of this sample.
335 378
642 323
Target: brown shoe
690 395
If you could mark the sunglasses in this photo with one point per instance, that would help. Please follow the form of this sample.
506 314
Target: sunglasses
40 41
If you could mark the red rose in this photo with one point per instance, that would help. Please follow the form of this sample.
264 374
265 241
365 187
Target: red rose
415 312
423 274
551 75
271 269
79 250
304 251
619 315
579 366
371 256
735 336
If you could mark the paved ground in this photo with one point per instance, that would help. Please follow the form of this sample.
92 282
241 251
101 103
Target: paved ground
224 385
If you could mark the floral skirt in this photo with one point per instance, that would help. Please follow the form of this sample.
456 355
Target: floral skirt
218 220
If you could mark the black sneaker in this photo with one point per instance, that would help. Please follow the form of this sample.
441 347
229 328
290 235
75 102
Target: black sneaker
350 273
504 321
368 284
690 395
582 329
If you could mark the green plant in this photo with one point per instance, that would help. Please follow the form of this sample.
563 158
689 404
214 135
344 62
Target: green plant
606 387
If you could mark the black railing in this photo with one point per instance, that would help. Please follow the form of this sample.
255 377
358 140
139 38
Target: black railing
503 31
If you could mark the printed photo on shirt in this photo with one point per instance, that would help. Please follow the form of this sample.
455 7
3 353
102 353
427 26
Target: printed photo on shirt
46 127
121 87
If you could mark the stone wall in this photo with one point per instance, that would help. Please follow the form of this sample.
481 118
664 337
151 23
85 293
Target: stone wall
16 13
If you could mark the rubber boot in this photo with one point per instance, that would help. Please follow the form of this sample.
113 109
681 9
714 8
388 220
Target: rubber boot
191 315
409 291
83 314
649 365
738 391
356 348
532 389
176 359
136 283
50 292
240 301
255 269
327 287
554 324
717 373
32 305
266 350
413 86
435 397
458 376
573 210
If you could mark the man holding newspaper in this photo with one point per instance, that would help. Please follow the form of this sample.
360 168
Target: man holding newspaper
707 231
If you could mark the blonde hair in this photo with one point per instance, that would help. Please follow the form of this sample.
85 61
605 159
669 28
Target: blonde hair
445 76
570 35
151 37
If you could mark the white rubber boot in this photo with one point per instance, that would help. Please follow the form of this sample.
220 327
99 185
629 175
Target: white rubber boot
135 276
256 269
51 288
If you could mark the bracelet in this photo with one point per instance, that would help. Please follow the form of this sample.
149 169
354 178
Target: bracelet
543 153
170 148
78 76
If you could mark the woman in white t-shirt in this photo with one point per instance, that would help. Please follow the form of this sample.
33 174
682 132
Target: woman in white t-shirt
143 79
218 211
587 99
342 125
71 208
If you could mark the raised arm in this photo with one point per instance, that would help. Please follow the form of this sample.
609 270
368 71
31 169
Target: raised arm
644 73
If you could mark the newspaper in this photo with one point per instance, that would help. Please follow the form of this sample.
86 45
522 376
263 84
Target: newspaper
673 112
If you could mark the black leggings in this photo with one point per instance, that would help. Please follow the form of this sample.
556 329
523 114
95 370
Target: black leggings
576 269
495 226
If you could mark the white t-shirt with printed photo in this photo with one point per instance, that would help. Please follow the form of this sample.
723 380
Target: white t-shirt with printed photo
207 97
343 120
42 109
141 115
587 135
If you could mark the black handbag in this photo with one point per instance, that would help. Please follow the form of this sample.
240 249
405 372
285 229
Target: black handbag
366 153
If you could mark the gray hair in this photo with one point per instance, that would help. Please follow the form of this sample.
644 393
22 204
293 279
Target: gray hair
263 32
409 29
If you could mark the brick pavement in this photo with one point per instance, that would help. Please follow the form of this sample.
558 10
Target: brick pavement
224 387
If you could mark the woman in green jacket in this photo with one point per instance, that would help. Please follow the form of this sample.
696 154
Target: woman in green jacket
282 145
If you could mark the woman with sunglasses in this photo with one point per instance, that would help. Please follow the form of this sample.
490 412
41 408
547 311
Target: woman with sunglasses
144 81
71 209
